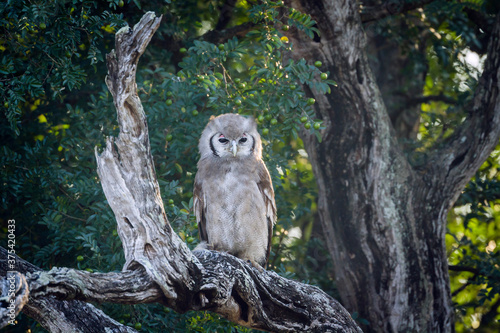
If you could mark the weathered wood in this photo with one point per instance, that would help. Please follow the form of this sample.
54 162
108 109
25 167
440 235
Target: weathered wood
128 177
227 285
268 301
127 287
72 316
58 315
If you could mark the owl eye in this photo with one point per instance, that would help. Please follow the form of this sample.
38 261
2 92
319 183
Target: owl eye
223 140
243 140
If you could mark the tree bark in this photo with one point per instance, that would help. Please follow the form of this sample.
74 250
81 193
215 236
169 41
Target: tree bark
53 314
384 220
227 285
159 267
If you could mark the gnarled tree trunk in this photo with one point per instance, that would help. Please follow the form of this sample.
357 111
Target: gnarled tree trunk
384 220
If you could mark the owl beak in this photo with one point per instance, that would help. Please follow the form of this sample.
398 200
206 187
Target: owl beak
234 149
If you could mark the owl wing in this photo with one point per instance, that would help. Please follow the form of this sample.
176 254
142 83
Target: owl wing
266 189
199 209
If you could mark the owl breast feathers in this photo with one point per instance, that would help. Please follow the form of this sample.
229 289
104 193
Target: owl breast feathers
233 194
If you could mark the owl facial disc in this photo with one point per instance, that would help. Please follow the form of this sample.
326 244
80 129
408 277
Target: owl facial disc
230 137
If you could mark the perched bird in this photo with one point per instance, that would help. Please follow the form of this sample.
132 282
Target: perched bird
233 195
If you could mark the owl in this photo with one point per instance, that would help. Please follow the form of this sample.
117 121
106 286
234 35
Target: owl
233 196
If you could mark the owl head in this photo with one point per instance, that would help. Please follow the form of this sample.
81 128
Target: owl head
230 136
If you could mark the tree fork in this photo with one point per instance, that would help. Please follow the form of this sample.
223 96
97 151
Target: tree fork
384 220
53 314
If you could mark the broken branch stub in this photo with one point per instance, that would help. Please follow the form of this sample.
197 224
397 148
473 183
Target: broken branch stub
128 177
67 315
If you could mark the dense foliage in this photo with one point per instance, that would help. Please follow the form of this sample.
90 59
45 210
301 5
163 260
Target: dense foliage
56 109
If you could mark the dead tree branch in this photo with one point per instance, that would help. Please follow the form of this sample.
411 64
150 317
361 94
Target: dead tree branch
57 315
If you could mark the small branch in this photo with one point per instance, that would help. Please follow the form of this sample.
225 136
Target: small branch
129 287
434 98
61 316
413 101
390 7
216 36
473 270
457 268
462 288
72 217
455 160
490 316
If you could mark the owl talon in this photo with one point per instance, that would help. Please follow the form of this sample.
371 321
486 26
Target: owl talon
203 300
203 246
256 265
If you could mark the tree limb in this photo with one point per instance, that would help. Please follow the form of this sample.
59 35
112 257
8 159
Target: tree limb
415 101
128 287
128 176
463 153
457 268
432 98
228 286
390 7
72 316
58 315
220 36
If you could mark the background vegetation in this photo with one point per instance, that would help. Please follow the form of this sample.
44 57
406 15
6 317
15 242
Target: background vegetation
56 109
